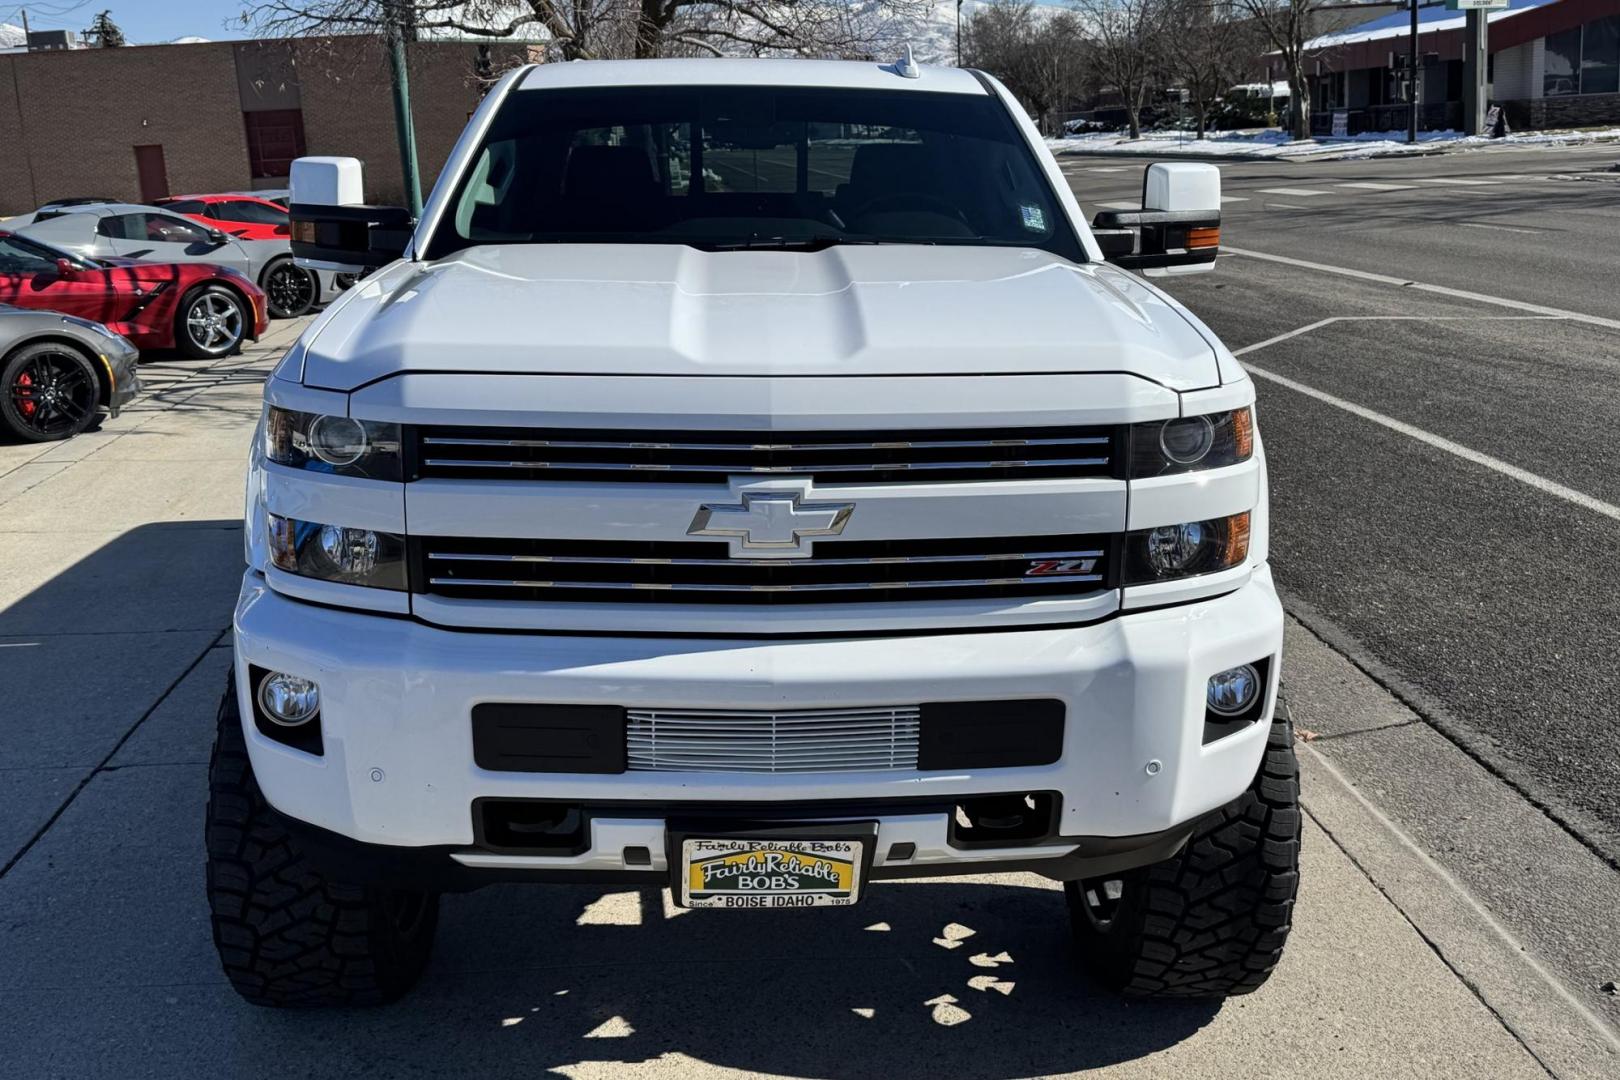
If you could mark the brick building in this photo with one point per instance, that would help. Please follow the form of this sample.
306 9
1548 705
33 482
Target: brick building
140 122
1553 63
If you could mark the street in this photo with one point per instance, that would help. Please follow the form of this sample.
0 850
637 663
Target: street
1445 513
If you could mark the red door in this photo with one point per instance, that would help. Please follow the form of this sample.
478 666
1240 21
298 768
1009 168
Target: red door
154 175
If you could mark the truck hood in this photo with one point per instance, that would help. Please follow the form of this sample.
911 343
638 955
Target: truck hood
665 309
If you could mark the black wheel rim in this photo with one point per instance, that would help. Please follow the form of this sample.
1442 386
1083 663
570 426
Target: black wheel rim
291 290
406 910
1099 900
52 394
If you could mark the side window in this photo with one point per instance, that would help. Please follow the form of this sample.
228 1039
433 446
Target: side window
249 213
167 229
185 206
17 258
121 226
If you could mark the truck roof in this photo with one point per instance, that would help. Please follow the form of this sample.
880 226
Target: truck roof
842 74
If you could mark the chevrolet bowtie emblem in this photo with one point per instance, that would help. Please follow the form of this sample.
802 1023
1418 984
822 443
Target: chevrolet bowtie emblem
770 524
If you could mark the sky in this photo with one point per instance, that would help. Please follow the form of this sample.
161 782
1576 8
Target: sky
144 21
141 20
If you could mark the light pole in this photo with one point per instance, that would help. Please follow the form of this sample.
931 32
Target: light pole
1412 78
958 33
404 129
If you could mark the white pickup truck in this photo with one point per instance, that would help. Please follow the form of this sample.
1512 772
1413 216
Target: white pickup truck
753 477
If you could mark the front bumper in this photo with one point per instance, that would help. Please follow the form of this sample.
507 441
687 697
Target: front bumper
398 769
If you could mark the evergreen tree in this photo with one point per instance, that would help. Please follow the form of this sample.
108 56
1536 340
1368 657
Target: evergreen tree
104 32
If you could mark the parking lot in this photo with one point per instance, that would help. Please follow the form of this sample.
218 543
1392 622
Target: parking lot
1445 516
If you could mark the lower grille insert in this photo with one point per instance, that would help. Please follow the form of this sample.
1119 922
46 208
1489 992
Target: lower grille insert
795 741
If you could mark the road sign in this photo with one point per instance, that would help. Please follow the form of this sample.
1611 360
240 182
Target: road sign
1476 5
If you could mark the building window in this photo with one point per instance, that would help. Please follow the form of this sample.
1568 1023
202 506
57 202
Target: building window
274 138
1600 56
1563 73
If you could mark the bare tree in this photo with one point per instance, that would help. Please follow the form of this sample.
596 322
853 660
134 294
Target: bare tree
1290 24
593 29
1127 44
1041 57
1207 46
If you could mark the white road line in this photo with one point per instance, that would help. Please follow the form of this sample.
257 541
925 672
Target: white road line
1298 191
1451 180
1524 476
1120 205
1498 228
1370 186
1108 168
1285 206
1233 198
1442 290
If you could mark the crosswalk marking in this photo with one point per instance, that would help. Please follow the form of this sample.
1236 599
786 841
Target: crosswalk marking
1370 186
1299 191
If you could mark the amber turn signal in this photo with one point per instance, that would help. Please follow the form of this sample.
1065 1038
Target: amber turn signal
1206 236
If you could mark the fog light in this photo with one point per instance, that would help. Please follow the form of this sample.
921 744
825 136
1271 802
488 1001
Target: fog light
288 700
1233 691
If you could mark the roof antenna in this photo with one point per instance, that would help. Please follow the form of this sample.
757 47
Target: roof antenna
906 67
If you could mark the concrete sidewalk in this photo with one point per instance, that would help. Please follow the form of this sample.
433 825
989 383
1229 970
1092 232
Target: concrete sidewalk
120 554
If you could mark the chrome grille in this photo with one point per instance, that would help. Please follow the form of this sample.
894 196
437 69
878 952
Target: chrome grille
797 741
702 572
708 457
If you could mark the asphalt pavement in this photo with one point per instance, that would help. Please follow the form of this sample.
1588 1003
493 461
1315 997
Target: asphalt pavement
1438 400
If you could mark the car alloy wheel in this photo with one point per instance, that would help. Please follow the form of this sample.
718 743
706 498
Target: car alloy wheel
53 394
214 323
290 288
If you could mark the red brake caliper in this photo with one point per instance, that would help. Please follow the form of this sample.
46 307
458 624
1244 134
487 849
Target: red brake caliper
27 403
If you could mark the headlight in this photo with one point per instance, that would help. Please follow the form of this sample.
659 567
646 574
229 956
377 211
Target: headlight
1178 551
333 444
1191 442
337 553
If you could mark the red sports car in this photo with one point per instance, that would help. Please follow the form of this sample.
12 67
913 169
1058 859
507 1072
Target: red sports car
245 216
202 309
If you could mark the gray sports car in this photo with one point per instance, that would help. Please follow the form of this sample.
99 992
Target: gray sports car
132 231
59 372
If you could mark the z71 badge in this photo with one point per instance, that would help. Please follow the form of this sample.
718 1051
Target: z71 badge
1045 567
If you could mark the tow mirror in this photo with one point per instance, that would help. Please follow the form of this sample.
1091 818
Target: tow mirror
1178 229
332 227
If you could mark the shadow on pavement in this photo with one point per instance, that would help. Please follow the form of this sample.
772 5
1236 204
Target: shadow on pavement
932 979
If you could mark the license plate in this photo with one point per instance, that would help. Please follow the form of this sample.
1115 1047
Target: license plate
769 873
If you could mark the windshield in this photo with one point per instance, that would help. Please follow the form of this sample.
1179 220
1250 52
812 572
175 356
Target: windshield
756 167
14 248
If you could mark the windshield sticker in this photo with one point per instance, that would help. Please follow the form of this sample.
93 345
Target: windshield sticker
1034 218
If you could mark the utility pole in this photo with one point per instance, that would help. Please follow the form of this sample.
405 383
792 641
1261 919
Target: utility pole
404 129
1412 83
958 33
25 28
1475 65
